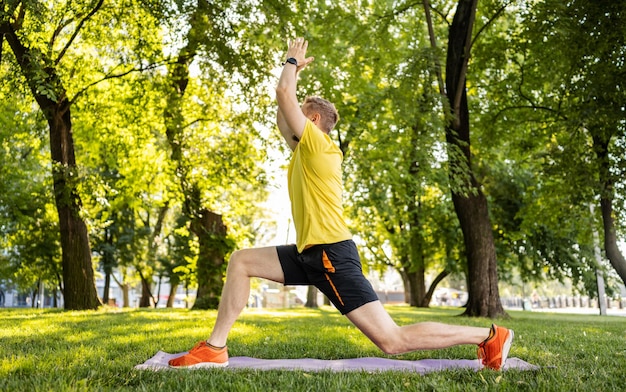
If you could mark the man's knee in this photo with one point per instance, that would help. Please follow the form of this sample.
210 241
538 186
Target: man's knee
237 261
255 262
391 344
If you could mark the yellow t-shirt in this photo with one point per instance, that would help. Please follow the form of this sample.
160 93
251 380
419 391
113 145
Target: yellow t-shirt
315 190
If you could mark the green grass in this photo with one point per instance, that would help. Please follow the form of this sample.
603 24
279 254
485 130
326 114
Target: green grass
74 351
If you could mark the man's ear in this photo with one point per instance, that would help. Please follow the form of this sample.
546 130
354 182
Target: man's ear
316 117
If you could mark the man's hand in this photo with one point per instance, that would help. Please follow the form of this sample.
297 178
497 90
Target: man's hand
297 50
290 118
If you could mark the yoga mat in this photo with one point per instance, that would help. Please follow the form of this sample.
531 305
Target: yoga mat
371 364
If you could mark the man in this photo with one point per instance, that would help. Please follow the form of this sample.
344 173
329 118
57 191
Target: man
324 254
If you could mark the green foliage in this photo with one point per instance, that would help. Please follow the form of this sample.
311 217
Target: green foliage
539 104
538 101
28 222
111 66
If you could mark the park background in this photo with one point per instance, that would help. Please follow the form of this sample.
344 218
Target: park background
138 146
484 152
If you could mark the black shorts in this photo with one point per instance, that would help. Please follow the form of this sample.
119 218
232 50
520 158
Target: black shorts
335 269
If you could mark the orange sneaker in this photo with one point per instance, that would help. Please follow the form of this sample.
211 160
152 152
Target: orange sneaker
495 349
201 356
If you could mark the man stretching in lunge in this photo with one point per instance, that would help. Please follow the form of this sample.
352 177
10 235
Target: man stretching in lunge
325 255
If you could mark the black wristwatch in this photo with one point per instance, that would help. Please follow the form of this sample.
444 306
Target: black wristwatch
291 60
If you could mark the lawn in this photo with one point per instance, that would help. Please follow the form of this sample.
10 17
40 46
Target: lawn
53 350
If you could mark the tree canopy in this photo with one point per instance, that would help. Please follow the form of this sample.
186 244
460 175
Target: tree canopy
478 137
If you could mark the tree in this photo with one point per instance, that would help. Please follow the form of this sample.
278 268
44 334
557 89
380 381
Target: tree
39 68
562 105
209 43
470 203
105 45
205 224
598 83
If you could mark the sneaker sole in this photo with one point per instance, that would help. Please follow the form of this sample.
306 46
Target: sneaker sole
202 365
506 347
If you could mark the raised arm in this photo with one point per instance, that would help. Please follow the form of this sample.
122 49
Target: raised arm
288 134
289 117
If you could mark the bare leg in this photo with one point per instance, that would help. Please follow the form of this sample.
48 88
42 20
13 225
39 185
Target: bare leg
243 265
374 321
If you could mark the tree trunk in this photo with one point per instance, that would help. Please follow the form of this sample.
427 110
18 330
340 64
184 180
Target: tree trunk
211 233
407 286
311 297
482 280
125 288
417 265
416 268
157 297
125 295
146 300
172 296
607 193
470 203
108 263
613 253
107 286
415 287
78 276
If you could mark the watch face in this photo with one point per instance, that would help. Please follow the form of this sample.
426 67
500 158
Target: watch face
292 61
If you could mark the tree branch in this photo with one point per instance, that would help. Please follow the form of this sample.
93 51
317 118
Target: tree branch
80 25
114 76
489 22
56 33
441 276
433 45
20 17
533 107
6 27
443 16
197 120
387 261
399 10
466 49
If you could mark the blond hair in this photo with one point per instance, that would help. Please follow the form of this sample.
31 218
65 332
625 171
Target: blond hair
327 111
